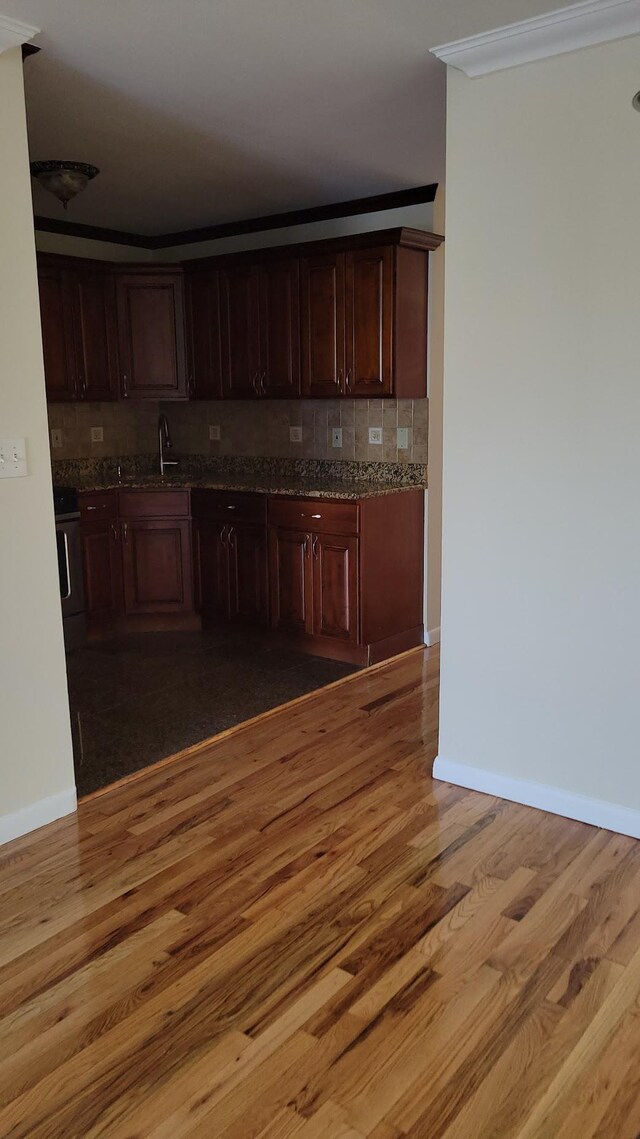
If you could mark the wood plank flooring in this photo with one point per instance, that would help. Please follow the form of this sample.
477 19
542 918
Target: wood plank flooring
294 933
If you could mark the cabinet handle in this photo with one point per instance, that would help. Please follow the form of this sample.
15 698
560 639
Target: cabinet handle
124 385
263 383
347 380
230 507
102 506
125 531
231 536
223 535
314 546
256 383
307 541
114 532
339 378
191 385
303 515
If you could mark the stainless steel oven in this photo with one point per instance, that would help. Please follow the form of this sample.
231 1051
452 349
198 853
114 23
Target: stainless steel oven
70 571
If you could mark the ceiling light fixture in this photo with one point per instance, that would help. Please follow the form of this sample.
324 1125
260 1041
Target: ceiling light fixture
635 102
64 179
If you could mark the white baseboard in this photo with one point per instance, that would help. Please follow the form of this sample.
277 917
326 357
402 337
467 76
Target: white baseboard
432 636
37 814
597 812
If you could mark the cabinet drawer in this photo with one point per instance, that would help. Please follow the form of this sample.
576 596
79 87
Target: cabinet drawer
228 506
95 505
154 503
314 514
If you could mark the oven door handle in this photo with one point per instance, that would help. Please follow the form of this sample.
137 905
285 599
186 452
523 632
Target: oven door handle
67 595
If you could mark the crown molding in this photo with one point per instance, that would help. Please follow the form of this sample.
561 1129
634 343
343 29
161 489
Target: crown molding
566 29
376 203
13 33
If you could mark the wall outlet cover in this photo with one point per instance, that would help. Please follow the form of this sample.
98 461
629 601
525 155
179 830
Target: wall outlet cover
214 432
375 435
336 436
56 437
402 441
295 434
97 435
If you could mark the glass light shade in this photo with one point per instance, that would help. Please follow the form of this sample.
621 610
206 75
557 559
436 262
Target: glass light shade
64 179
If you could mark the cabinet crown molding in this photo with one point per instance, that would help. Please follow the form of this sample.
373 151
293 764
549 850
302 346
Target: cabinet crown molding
580 25
14 32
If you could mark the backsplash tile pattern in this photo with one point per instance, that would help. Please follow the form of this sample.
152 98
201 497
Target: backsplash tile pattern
246 429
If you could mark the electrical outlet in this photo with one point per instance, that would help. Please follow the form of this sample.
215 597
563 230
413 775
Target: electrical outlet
56 437
336 436
295 434
375 435
13 458
97 435
402 440
214 432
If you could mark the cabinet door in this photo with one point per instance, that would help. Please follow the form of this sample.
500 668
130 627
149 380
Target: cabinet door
290 580
204 362
151 335
239 312
57 333
280 329
335 587
211 564
102 569
94 313
369 321
156 560
247 548
322 320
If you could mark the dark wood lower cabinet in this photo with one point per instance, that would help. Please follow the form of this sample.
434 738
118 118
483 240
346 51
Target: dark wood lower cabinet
102 570
335 587
290 580
341 579
156 563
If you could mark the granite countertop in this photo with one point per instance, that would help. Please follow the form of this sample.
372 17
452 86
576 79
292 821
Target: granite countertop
277 485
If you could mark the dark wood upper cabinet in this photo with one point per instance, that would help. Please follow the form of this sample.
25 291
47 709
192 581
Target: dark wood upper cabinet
95 338
279 298
322 314
203 336
151 334
239 319
57 332
369 322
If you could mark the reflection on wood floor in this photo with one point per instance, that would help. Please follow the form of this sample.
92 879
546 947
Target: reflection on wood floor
295 933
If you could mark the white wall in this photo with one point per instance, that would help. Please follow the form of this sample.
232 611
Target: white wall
36 767
541 569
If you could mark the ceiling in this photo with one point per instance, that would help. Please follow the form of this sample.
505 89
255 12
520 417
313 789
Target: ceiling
207 111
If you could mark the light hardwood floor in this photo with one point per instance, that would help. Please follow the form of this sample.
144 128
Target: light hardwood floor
296 934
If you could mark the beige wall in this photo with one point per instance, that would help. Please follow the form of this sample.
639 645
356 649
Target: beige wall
35 755
541 596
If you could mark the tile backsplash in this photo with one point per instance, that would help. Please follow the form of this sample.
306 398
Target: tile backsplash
246 428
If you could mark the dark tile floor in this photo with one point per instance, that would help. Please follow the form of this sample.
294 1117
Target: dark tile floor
143 696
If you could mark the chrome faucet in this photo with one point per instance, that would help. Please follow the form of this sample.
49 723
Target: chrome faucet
164 443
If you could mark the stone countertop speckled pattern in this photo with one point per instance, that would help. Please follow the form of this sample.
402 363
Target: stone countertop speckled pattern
337 489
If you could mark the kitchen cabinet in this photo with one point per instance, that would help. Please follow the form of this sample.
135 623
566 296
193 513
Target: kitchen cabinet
151 334
204 347
57 332
102 558
322 314
230 556
369 321
290 580
93 314
156 551
240 333
279 302
345 577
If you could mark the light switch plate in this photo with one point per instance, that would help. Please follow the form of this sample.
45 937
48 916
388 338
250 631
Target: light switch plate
13 458
214 432
336 436
295 434
402 441
97 435
56 437
375 435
